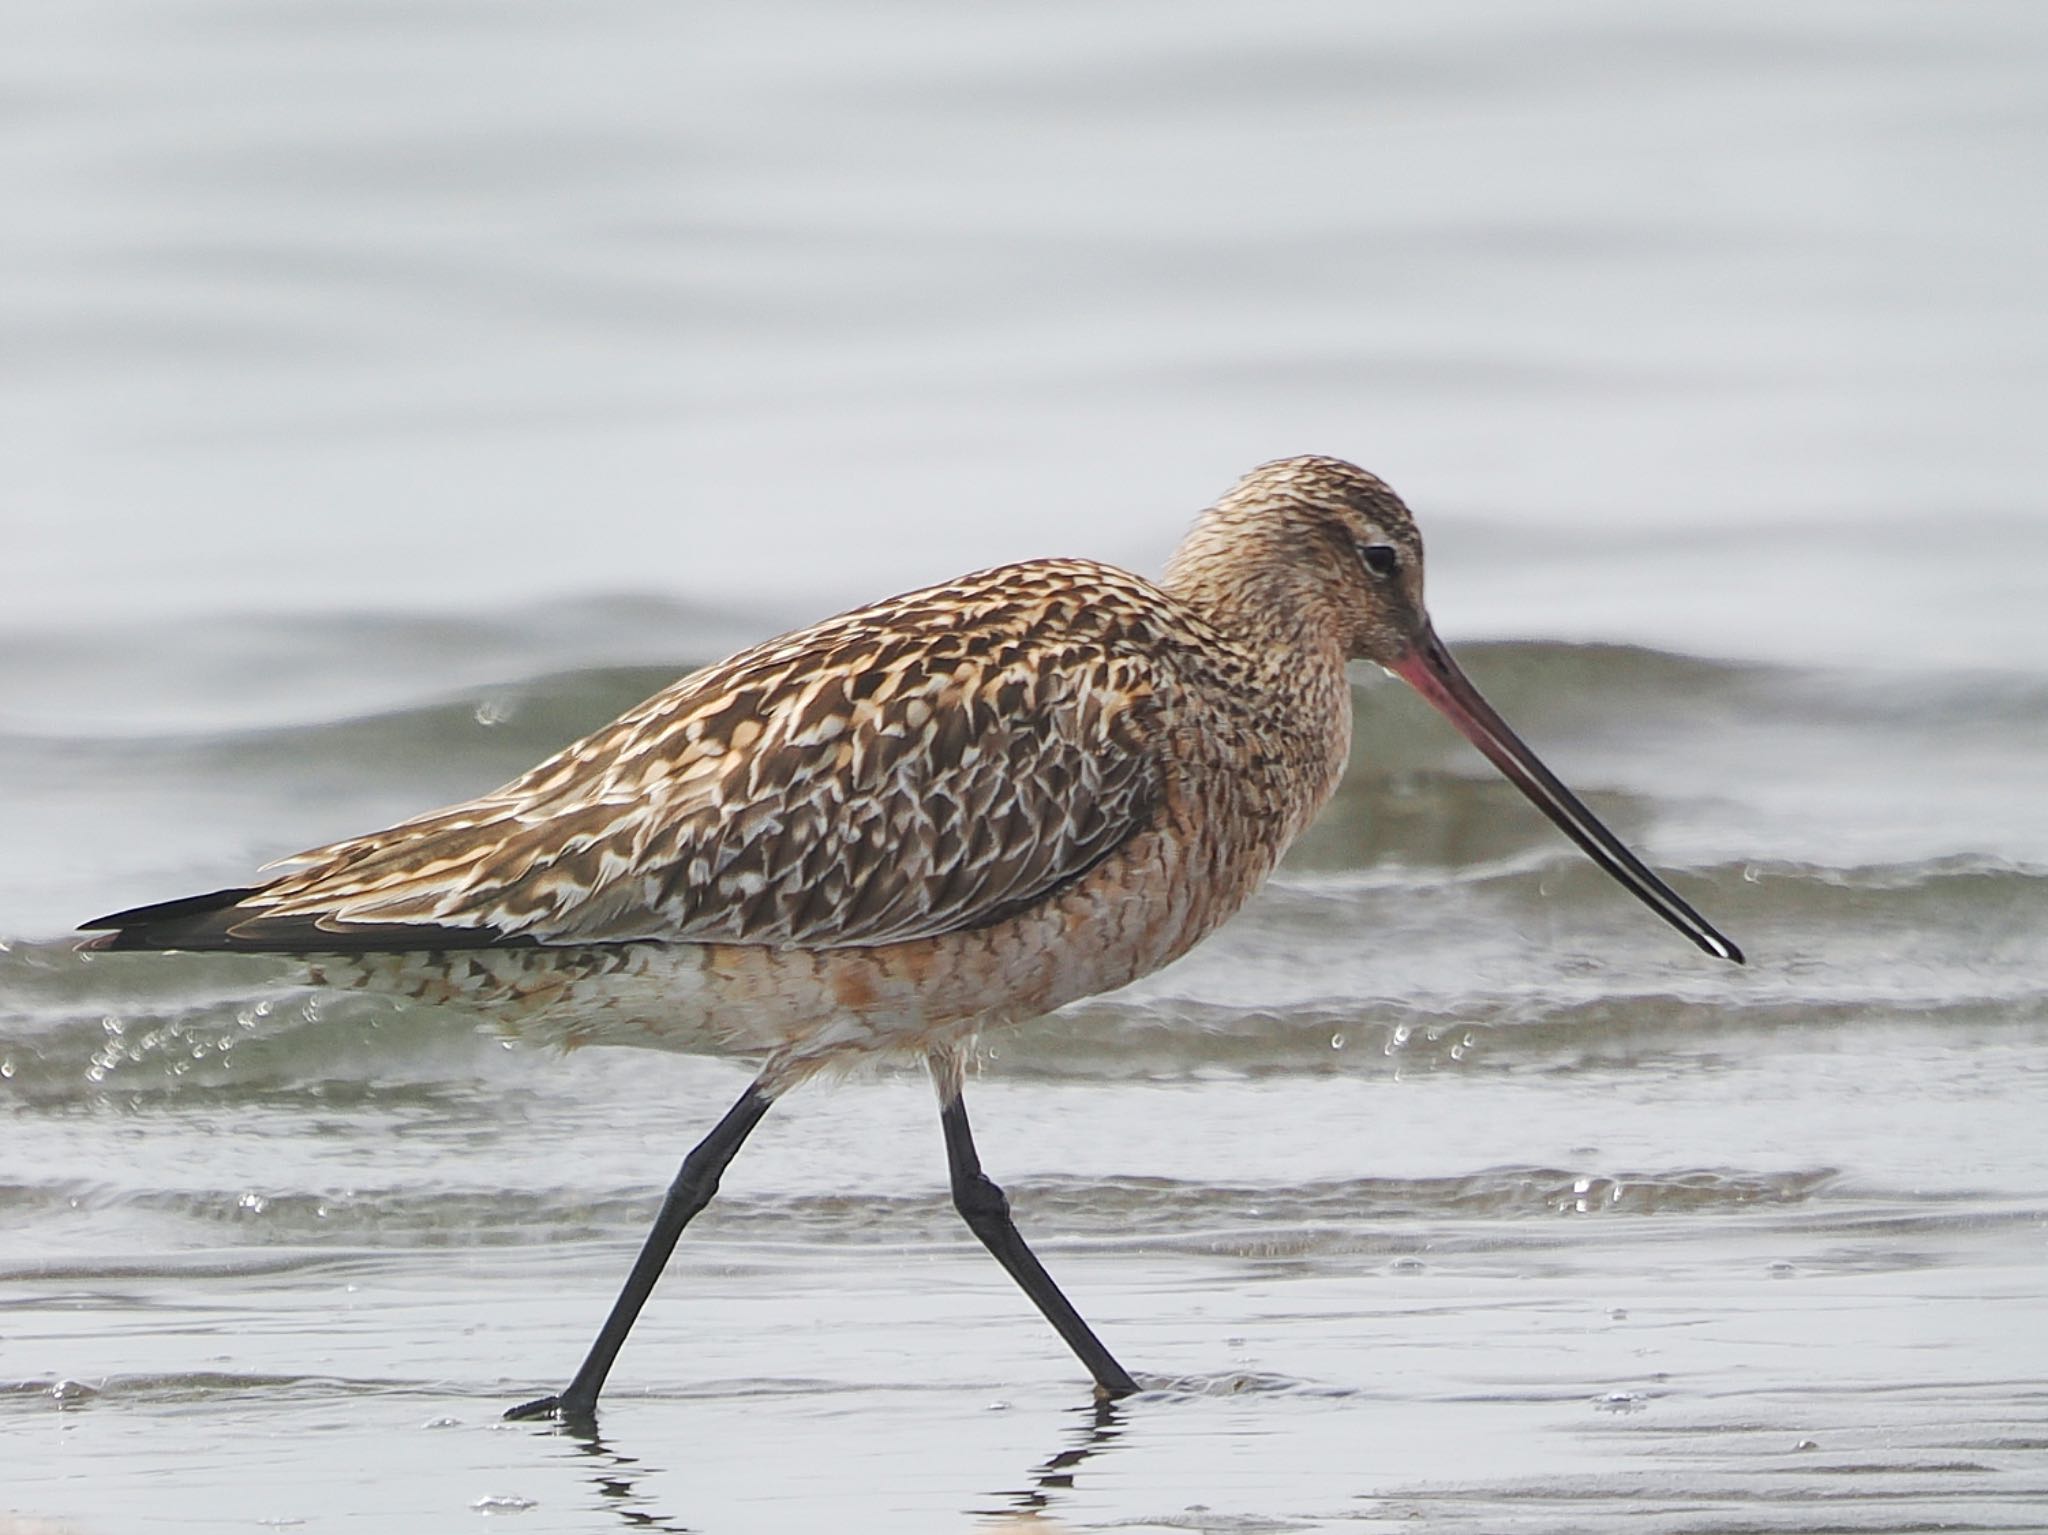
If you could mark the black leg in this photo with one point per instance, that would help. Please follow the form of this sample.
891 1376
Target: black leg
691 1192
987 1212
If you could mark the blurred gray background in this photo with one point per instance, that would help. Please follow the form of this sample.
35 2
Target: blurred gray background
1721 327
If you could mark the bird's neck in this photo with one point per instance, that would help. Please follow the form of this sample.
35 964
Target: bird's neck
1265 598
1280 672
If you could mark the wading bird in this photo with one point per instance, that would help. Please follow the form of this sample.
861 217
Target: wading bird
959 808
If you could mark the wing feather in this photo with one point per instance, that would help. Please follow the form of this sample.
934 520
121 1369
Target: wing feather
923 766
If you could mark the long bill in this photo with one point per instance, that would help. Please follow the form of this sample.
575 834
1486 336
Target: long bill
1429 669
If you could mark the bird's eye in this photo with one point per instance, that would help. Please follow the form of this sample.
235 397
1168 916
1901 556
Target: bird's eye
1380 559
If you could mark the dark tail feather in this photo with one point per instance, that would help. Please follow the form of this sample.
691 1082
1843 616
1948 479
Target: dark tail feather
217 922
195 922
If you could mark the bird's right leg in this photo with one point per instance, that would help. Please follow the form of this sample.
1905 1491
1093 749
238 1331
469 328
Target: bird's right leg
986 1209
691 1192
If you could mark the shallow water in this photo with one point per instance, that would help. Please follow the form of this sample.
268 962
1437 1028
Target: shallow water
402 391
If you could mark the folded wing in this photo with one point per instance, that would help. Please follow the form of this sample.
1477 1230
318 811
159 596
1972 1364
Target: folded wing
930 764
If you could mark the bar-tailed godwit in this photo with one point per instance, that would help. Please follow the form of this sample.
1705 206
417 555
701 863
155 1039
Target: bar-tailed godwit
960 808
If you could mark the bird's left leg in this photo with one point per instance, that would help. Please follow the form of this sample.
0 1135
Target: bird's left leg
986 1210
692 1190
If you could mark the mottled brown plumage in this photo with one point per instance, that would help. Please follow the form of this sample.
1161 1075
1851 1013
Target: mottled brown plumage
964 806
943 763
918 767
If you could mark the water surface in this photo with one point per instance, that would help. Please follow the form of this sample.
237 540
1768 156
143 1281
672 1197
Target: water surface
397 392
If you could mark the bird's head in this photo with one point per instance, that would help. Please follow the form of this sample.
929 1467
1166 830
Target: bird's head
1347 541
1318 554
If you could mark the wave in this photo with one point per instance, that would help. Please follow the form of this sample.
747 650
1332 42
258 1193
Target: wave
1429 921
321 1228
1379 973
1402 1226
262 672
1648 737
1607 700
1576 691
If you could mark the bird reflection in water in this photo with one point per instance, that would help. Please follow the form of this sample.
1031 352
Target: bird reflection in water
619 1478
1102 1426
